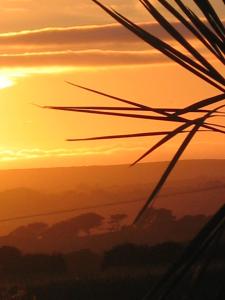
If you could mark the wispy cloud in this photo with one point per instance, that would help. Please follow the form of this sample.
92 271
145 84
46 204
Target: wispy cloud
109 37
27 154
84 58
81 46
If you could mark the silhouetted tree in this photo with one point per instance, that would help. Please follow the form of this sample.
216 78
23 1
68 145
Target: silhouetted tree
131 255
43 264
31 230
83 262
87 222
10 260
157 218
116 221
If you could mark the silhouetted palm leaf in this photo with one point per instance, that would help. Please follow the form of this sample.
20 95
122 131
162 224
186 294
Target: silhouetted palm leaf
192 253
198 123
108 113
119 108
212 38
135 116
168 170
162 46
211 33
110 96
133 135
182 41
212 17
200 104
168 137
213 128
163 111
201 68
216 125
191 28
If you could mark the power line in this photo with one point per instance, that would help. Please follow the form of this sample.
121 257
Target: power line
59 212
66 211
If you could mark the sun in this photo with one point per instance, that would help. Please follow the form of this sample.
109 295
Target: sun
5 82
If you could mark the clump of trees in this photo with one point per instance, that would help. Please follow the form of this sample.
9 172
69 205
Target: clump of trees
82 224
132 255
14 264
116 221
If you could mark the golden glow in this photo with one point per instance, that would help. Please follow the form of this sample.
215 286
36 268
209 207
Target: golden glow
42 46
5 82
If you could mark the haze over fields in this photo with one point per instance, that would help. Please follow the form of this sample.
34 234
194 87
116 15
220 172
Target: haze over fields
195 187
89 88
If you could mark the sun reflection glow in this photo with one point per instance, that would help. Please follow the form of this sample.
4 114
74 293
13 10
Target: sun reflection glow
5 82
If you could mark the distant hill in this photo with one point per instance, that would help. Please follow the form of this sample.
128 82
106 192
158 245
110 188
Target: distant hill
61 179
195 187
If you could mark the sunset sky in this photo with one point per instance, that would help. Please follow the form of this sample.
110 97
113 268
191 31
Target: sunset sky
45 43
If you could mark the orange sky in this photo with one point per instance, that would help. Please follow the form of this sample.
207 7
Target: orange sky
44 43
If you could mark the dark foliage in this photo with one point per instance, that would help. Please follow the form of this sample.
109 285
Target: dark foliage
132 255
14 265
210 32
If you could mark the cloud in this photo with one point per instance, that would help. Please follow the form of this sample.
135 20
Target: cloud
90 58
82 46
33 13
27 154
24 14
108 37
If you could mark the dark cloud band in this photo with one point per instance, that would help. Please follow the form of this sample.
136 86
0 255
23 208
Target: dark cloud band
109 37
83 46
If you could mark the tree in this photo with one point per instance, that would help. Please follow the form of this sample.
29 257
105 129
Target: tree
157 217
83 262
211 35
29 231
10 260
84 223
131 255
87 222
209 31
43 264
116 221
9 254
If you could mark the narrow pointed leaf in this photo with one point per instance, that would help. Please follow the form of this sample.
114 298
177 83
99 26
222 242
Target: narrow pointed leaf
107 113
172 134
198 123
109 96
200 104
169 170
122 136
163 47
214 41
192 253
211 114
169 136
144 107
212 38
191 28
183 42
216 125
119 108
212 17
210 127
135 116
